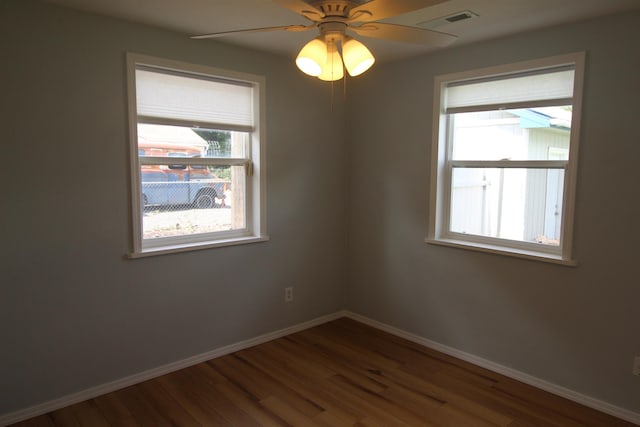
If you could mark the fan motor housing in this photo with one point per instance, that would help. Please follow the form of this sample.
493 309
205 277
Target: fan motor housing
335 7
333 30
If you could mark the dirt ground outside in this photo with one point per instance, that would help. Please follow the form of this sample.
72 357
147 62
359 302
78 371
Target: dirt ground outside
185 220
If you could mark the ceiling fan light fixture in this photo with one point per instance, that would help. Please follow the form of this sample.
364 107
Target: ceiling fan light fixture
332 69
312 57
357 58
335 18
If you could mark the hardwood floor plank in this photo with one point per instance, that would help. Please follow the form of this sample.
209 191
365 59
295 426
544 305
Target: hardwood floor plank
528 423
256 389
41 421
582 415
343 350
235 368
365 407
468 396
339 374
208 373
368 422
290 354
295 379
191 398
88 414
377 369
438 414
339 363
354 341
65 417
204 398
287 412
115 411
407 352
380 402
419 352
329 419
427 390
166 405
143 411
254 409
451 415
490 398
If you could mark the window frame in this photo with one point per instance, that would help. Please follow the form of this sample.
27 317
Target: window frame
442 165
253 161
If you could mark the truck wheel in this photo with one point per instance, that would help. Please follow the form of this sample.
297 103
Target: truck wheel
205 200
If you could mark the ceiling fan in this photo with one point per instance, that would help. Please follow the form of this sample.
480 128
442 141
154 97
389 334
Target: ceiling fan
336 20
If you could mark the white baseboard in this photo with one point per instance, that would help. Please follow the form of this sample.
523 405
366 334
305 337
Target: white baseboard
92 392
582 399
99 390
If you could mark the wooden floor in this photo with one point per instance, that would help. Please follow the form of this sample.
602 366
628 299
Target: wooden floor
342 373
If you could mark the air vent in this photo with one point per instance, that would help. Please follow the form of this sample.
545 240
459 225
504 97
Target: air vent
459 17
446 20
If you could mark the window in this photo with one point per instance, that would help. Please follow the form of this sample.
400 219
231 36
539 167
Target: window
197 156
504 158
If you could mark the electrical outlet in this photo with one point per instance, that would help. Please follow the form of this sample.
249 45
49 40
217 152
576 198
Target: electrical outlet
288 294
636 366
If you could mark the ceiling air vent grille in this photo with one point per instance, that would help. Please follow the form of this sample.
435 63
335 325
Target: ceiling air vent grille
458 17
449 19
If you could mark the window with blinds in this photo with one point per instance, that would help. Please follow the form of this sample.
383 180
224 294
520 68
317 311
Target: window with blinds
193 99
505 158
197 156
544 87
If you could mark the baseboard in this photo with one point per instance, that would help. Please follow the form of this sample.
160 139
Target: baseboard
99 390
582 399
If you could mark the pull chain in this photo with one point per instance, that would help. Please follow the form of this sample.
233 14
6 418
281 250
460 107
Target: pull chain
332 95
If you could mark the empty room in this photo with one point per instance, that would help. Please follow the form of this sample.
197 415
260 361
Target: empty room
333 213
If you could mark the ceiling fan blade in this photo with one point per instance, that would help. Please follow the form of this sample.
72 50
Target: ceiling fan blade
402 33
380 9
293 28
302 8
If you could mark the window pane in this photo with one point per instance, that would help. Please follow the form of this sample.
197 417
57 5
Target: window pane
188 201
195 143
515 204
180 199
177 141
521 134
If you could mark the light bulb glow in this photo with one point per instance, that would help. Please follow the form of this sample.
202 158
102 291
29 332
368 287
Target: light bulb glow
312 57
332 69
357 58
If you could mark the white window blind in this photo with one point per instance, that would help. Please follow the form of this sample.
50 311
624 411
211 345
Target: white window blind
540 87
193 101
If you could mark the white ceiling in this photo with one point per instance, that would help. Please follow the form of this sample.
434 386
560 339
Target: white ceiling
495 18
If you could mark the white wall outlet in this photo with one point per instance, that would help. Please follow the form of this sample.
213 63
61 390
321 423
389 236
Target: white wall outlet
636 366
288 294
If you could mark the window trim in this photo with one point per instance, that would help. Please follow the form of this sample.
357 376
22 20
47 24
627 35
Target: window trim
254 162
437 232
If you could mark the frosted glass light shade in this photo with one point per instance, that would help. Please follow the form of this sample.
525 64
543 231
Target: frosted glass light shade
312 57
357 58
332 69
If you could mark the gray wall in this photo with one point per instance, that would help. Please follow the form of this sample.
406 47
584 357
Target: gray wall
576 327
74 313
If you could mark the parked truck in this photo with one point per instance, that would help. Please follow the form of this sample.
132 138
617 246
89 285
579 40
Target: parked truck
178 184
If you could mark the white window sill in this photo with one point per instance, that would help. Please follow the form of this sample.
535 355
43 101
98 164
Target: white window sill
165 250
500 250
